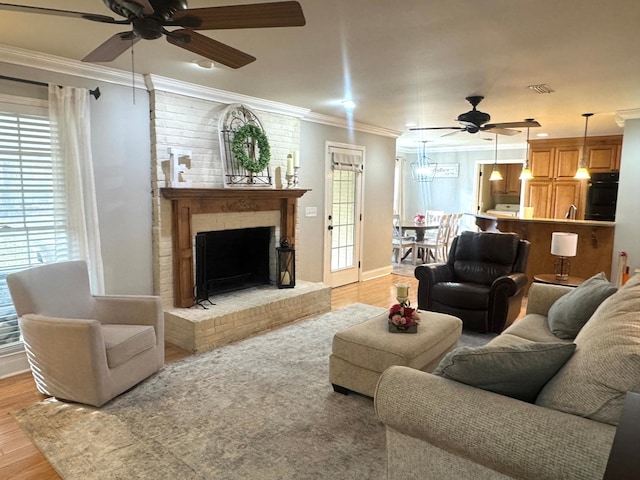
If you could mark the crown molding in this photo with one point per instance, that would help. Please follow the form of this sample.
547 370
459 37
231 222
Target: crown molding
170 85
66 66
343 123
623 115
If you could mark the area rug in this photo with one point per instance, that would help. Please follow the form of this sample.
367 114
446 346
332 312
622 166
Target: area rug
262 408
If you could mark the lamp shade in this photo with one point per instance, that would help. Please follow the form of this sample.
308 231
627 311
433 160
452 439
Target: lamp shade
564 244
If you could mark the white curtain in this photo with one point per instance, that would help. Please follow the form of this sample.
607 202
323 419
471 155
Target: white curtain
69 113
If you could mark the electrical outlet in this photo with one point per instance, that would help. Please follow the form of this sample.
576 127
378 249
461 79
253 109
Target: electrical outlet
311 211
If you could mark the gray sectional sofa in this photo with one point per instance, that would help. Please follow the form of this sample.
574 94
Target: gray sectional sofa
444 429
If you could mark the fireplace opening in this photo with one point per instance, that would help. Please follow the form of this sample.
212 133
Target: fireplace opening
229 260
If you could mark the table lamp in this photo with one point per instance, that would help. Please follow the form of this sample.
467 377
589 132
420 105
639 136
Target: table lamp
563 245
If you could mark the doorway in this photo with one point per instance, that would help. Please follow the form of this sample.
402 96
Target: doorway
345 165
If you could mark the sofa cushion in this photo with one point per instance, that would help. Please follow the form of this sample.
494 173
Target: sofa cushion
123 342
518 371
606 364
473 296
570 312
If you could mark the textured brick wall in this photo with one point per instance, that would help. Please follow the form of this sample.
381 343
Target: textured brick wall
180 121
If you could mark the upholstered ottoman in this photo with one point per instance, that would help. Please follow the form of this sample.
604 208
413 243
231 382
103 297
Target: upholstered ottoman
362 352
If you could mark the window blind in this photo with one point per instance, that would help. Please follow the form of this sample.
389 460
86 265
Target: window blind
32 205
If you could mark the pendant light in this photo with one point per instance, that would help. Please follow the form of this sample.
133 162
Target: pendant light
526 171
583 173
495 173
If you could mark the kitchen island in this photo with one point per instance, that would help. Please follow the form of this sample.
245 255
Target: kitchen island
595 244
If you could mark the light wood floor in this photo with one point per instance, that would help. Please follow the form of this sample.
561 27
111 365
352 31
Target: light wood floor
21 460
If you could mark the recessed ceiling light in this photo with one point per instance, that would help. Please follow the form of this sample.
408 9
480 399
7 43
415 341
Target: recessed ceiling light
542 134
410 124
204 63
349 104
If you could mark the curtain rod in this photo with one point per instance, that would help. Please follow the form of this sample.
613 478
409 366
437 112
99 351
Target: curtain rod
95 93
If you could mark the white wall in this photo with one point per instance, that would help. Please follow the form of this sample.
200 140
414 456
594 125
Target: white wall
451 195
628 206
378 198
121 159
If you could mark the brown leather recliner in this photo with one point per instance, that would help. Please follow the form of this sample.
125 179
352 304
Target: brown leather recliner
482 283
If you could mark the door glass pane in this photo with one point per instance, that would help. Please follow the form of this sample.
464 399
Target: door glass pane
342 245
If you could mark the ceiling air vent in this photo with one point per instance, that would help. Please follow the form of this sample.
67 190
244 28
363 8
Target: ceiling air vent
541 88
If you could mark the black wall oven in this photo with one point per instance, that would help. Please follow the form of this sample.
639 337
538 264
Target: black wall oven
602 194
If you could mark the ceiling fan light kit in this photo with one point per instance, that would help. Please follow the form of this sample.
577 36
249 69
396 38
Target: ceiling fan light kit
149 20
495 173
526 171
583 173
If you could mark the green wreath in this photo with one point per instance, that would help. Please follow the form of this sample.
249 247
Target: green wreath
247 162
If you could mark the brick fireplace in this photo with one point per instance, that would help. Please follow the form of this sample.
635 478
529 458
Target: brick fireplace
235 315
189 202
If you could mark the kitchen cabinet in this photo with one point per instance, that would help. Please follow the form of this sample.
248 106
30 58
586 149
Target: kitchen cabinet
603 158
553 164
565 193
510 182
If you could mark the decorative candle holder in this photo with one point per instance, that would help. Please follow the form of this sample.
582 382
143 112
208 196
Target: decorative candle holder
402 294
292 180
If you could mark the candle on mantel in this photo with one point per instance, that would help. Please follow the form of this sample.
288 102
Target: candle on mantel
296 159
289 164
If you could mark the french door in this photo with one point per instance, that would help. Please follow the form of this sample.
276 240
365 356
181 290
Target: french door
345 164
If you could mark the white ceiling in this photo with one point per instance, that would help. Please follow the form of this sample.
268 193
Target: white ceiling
401 60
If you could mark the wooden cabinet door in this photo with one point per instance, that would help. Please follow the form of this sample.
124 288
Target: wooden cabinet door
566 162
541 162
498 186
538 195
512 180
565 193
603 158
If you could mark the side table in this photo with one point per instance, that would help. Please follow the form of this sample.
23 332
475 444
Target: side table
551 278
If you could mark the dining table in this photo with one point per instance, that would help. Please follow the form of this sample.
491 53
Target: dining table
419 229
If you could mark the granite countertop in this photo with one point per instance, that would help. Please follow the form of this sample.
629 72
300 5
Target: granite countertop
563 221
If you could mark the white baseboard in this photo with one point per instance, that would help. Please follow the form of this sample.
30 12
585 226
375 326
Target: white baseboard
13 363
377 273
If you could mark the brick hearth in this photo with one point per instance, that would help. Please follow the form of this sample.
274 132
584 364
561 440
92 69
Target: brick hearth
241 314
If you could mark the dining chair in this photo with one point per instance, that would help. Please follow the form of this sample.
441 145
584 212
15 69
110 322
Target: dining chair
433 246
399 242
454 227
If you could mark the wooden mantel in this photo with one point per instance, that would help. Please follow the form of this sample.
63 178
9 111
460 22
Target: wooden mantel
193 201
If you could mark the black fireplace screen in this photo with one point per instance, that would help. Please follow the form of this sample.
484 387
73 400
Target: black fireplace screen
229 260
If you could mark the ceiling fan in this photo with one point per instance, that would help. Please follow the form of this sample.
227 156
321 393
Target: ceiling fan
148 19
475 121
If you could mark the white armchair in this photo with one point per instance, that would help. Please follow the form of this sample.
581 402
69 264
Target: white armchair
81 347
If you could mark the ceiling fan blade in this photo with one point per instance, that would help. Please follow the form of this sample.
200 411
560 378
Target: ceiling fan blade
453 133
436 128
60 13
501 131
112 48
256 15
209 48
526 123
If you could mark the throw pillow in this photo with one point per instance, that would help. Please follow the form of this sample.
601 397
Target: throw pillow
595 380
519 371
570 312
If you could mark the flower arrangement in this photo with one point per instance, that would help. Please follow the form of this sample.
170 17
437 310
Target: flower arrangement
418 218
402 316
